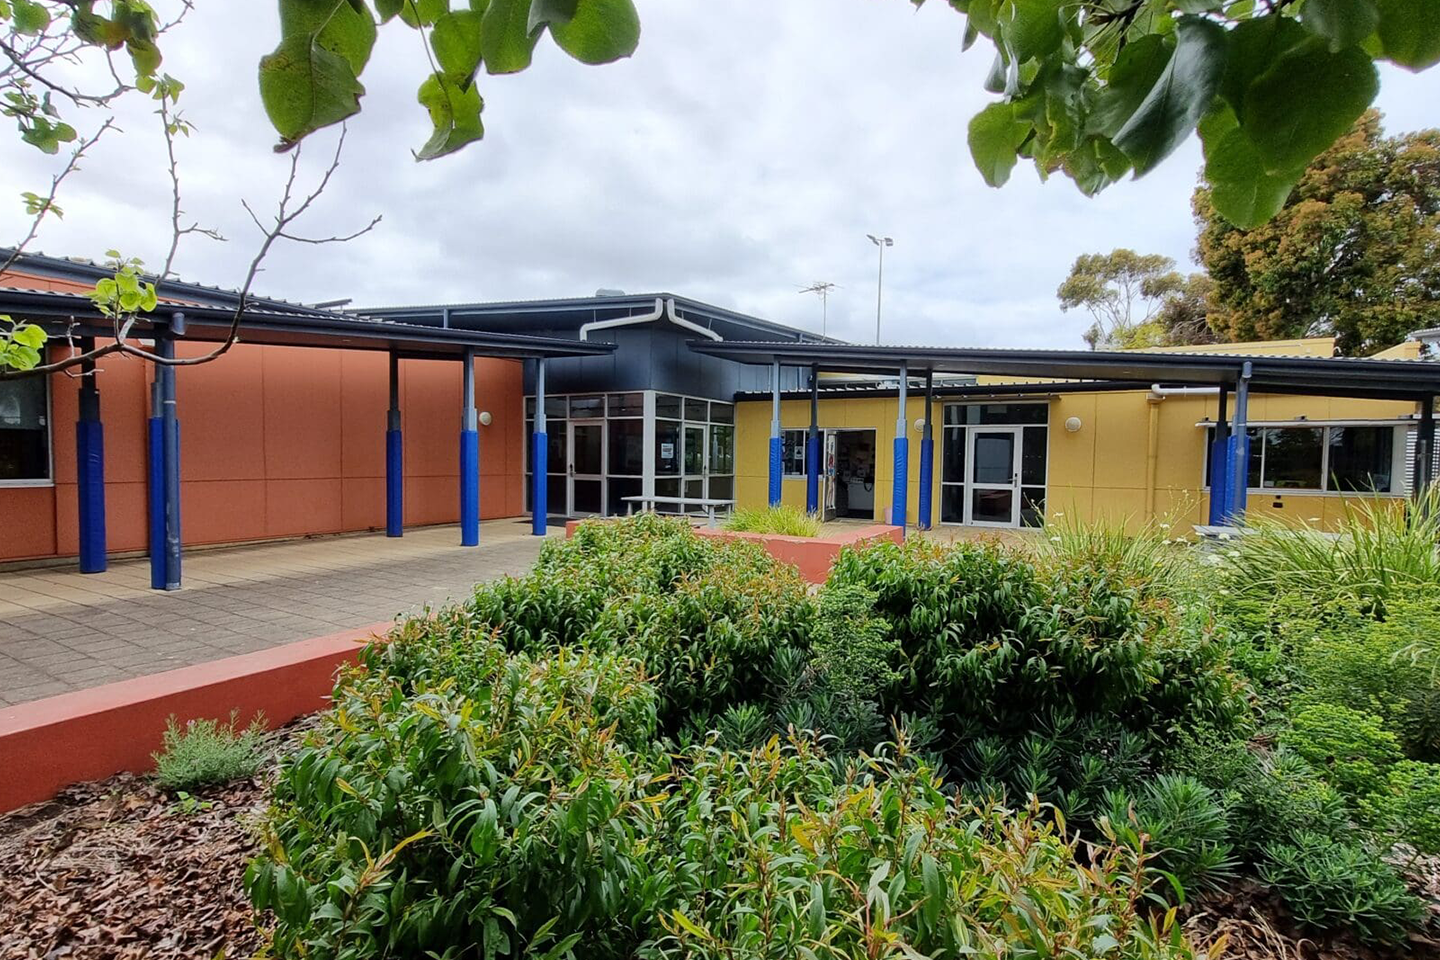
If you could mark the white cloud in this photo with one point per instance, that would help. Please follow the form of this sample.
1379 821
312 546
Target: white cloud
743 153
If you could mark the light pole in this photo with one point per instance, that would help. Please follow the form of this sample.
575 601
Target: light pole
822 288
882 243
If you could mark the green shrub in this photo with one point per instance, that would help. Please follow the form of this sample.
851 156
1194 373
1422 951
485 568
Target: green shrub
1332 883
1370 669
782 520
1351 750
1179 822
1384 551
996 646
1408 809
208 752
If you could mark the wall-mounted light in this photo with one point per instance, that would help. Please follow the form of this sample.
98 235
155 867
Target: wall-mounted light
920 423
485 418
1073 425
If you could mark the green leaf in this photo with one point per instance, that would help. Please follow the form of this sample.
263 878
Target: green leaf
1240 188
550 12
1342 22
388 9
1308 98
1035 30
455 113
506 38
305 87
29 335
601 31
30 18
1254 46
1134 73
144 55
418 13
1179 97
1198 6
335 26
456 42
1410 32
995 135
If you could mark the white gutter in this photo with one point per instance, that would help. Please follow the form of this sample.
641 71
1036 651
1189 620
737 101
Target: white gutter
663 308
650 317
689 324
1159 392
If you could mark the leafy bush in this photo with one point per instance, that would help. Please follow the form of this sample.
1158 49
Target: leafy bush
208 752
523 812
1329 883
1370 668
1408 809
1178 820
782 520
1058 678
1351 750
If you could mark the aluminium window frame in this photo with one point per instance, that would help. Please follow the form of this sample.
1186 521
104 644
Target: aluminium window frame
1399 482
47 482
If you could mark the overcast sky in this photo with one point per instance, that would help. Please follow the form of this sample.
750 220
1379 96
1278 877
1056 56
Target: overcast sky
744 152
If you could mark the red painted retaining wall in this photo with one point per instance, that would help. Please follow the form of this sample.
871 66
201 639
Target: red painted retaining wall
91 734
812 556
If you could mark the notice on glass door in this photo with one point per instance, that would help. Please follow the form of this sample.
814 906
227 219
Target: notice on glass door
667 451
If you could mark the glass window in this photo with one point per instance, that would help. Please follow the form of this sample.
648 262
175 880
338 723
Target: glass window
555 460
1032 456
556 491
722 488
697 410
529 408
792 452
587 407
694 451
1361 458
669 487
555 407
952 455
722 412
952 503
627 404
627 447
722 449
1032 506
1292 457
667 448
24 429
997 414
667 405
617 489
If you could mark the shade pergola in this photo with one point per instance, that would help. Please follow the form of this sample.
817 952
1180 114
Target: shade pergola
72 316
1407 380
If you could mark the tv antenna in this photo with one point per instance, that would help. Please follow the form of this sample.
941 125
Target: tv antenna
822 289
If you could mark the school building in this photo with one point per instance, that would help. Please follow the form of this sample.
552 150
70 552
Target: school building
323 420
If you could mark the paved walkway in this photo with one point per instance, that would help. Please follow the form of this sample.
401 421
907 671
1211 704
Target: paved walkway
62 631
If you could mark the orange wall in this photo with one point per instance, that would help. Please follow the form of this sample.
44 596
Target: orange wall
277 442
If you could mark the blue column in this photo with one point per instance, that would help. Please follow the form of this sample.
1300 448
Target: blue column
775 443
1236 494
164 467
394 458
90 469
927 457
812 446
1220 463
469 459
539 459
155 486
902 455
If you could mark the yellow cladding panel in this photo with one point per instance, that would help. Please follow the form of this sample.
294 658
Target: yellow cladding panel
1098 472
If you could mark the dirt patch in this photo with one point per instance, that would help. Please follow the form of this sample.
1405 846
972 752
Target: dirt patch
122 869
1257 926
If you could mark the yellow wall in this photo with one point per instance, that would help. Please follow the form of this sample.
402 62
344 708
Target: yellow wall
1096 473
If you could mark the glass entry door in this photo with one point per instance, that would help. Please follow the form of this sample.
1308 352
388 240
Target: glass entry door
994 458
587 467
693 462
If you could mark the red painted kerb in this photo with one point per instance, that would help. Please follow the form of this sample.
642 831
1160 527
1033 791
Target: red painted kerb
92 734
